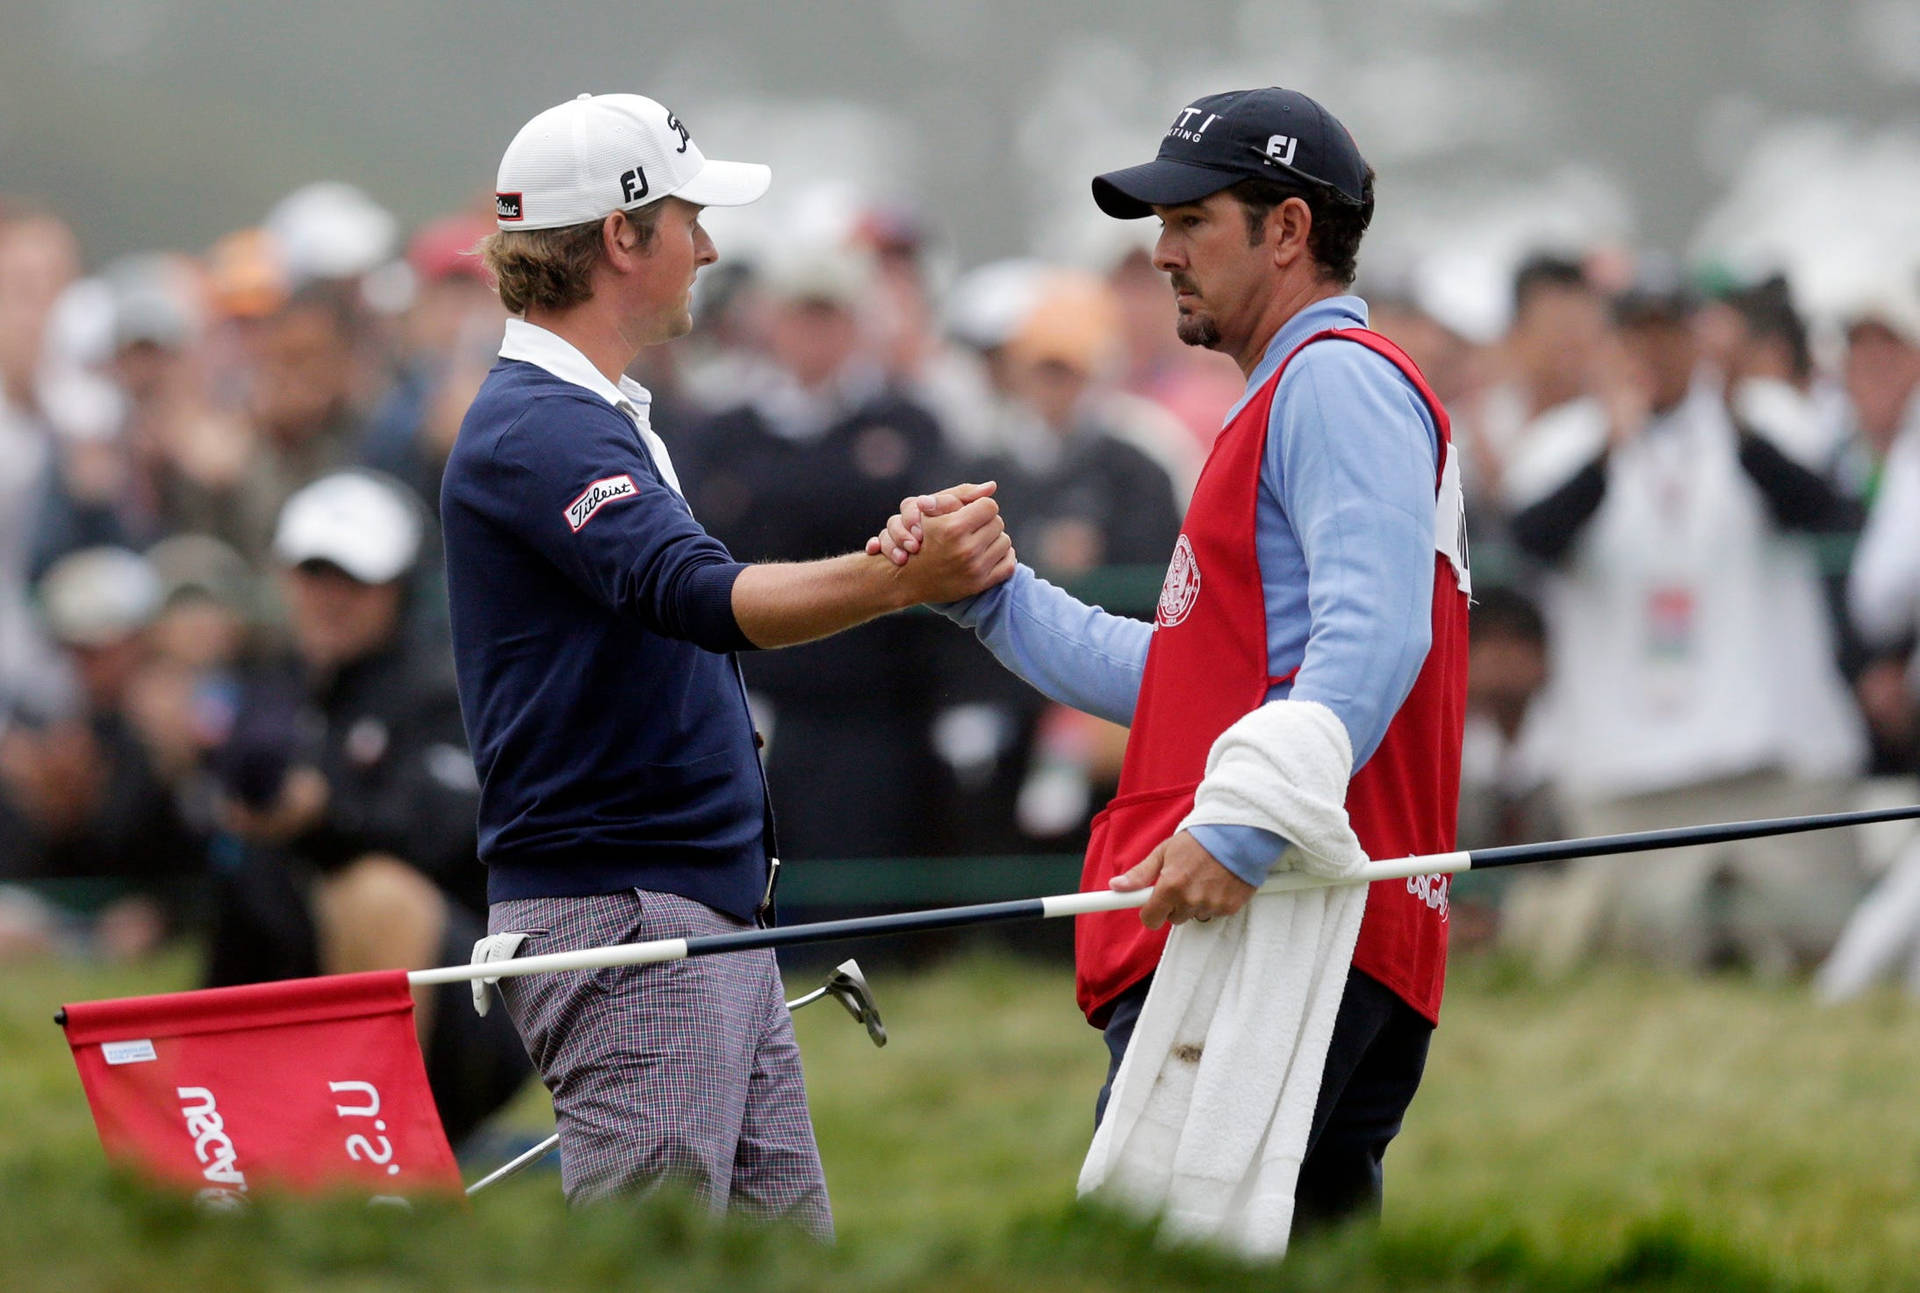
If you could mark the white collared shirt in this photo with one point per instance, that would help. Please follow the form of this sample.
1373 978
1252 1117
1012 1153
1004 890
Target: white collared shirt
532 344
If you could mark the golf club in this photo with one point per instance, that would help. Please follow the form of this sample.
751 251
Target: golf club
846 984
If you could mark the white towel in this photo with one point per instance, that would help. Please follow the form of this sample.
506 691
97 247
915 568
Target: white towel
1210 1111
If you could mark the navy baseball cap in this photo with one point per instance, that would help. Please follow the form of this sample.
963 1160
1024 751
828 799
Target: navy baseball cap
1222 139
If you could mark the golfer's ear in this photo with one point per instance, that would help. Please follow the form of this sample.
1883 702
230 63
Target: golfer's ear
619 240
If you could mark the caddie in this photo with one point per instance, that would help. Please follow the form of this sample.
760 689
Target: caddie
595 625
1310 645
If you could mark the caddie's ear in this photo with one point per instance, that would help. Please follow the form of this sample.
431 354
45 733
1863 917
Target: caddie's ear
1288 227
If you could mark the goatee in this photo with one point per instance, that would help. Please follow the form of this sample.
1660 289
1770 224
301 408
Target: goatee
1197 330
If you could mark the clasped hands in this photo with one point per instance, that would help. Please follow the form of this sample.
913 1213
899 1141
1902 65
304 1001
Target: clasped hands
1188 883
948 545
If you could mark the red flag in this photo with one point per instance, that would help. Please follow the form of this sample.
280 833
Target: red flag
305 1084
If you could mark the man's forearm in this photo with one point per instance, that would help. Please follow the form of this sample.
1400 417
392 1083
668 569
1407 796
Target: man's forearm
965 551
1068 651
781 604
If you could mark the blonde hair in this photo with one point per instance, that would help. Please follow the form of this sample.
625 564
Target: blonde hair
553 268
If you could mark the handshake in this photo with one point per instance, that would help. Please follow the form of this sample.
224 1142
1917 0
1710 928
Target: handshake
946 546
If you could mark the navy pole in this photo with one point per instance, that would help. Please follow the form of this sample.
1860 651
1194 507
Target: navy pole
1680 836
1071 904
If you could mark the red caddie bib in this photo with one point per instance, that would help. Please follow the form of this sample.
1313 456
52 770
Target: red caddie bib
1207 667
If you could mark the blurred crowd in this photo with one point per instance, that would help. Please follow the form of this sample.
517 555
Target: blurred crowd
1698 585
225 694
226 700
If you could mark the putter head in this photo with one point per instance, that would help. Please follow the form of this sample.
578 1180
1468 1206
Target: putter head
849 987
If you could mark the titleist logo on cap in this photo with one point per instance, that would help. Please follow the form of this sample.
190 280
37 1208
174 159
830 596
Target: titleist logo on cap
597 496
506 206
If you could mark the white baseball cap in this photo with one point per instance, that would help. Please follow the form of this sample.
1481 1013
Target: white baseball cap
367 525
98 596
602 153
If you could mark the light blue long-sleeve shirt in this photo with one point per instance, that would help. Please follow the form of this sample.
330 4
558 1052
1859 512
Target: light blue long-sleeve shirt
1345 519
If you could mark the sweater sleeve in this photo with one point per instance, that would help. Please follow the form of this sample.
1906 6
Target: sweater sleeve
1798 498
577 485
1547 528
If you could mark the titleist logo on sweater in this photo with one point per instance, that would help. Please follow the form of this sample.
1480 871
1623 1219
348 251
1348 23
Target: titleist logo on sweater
597 496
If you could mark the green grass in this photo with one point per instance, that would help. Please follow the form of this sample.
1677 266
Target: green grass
1628 1130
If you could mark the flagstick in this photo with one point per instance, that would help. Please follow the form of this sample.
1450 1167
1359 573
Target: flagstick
1084 904
524 1161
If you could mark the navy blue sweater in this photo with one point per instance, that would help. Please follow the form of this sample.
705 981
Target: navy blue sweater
592 634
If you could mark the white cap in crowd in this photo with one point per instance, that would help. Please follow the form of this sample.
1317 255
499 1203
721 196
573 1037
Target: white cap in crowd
988 304
331 230
98 596
1890 301
832 274
365 524
601 153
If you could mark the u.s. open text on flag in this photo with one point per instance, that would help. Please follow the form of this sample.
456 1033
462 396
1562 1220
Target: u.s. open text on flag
305 1084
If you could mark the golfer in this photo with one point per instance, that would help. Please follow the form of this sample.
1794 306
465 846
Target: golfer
1321 566
594 631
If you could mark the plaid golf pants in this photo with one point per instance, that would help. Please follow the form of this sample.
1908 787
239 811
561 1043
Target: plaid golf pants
683 1072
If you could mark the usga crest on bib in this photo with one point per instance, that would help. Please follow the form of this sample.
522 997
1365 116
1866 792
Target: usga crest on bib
1182 587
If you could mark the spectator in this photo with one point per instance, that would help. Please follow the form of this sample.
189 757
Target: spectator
1883 933
1675 613
202 640
304 381
1196 387
174 463
970 392
349 787
1450 362
1083 495
1073 480
38 259
1549 363
1883 382
449 338
1882 373
906 325
81 796
823 443
1772 386
1506 792
246 282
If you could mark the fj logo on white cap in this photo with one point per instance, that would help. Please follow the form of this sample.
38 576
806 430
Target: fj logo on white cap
633 184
